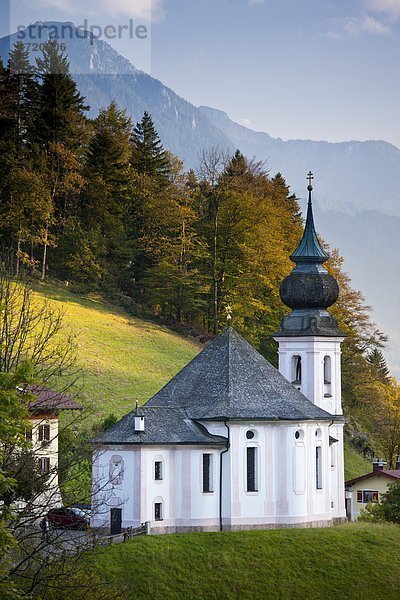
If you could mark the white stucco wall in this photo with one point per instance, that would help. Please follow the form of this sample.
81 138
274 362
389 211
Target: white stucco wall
286 476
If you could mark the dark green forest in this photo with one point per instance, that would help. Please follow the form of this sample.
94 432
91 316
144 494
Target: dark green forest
101 205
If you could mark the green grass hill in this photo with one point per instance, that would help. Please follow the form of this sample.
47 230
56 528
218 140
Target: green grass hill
347 561
126 359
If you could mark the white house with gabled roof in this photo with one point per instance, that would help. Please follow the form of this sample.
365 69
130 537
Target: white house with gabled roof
231 442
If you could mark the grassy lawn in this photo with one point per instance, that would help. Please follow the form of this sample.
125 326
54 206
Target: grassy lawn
124 359
348 561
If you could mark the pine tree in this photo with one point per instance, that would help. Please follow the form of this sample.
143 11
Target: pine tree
60 132
60 105
377 361
148 155
106 204
24 91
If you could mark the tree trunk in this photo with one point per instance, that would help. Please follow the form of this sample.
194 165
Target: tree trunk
18 256
46 235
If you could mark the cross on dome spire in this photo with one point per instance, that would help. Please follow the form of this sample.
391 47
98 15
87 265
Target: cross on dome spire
310 177
309 290
309 249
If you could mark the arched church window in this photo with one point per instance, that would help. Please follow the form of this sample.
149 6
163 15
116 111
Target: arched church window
296 369
318 467
251 469
327 370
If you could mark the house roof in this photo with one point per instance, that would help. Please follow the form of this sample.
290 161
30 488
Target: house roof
392 474
48 400
163 425
228 380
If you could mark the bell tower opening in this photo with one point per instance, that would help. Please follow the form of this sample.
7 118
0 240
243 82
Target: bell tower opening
296 371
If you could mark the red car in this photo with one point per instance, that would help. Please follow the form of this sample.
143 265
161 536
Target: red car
66 518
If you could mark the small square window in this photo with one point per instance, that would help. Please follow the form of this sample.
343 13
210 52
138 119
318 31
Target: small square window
158 511
158 470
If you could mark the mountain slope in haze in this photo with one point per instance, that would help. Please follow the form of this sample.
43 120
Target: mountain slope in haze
352 176
370 243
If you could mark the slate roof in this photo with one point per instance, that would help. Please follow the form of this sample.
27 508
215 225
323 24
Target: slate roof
228 380
163 425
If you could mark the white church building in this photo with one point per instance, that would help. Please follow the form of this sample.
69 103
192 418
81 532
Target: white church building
232 443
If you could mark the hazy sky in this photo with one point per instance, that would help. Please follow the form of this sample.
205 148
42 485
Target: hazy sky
294 68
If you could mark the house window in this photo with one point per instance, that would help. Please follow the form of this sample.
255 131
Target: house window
365 496
296 369
44 465
28 435
207 473
158 516
251 469
327 370
318 467
158 470
44 433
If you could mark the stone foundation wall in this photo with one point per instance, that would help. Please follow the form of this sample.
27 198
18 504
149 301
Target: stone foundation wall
229 527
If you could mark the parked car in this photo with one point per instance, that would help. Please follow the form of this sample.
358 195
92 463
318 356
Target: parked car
66 518
81 512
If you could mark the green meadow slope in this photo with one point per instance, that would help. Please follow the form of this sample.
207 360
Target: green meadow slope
126 359
347 561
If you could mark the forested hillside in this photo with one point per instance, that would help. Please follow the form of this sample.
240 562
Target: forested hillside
101 205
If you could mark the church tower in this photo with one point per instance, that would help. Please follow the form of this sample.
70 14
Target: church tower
309 338
310 341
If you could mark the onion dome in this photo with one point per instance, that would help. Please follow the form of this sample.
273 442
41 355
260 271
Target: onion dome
309 290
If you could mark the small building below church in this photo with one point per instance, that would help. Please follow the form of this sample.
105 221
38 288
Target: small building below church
370 487
231 442
44 412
